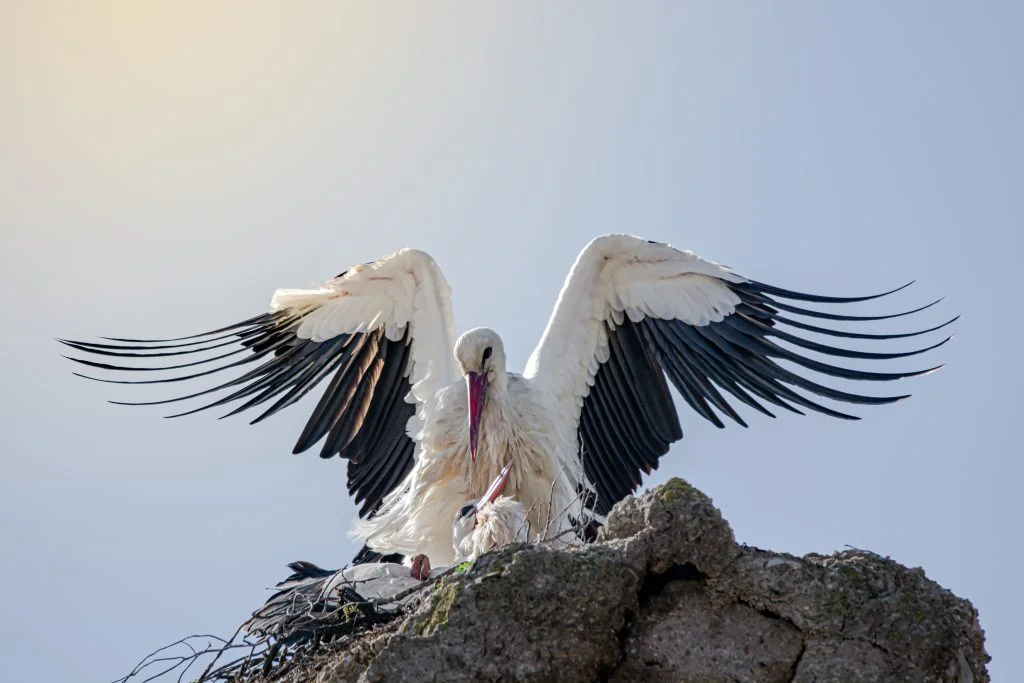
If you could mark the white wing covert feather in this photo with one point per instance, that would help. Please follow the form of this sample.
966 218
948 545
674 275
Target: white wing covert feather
617 276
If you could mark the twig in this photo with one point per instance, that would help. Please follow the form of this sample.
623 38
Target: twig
209 666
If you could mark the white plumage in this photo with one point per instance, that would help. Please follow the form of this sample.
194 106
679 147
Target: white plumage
427 421
518 424
497 524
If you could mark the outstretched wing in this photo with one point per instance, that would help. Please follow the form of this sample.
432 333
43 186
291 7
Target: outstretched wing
382 332
633 311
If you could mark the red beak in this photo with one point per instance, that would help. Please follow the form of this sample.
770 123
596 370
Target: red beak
494 490
477 386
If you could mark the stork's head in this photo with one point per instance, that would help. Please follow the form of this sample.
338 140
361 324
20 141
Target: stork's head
481 356
479 526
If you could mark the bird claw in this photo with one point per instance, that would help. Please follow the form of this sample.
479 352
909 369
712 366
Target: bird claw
420 568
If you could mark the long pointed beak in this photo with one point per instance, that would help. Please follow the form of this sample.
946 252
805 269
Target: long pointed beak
477 386
494 490
496 487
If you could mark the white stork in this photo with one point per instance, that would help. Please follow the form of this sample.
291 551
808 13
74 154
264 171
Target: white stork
426 421
312 593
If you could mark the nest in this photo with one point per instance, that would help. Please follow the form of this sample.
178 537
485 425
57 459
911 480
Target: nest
302 626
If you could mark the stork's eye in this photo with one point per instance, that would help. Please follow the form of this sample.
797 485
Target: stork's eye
487 353
465 510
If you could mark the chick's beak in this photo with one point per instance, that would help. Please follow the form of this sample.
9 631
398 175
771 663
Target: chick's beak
494 490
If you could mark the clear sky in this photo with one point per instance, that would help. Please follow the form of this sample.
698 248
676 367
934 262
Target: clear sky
164 166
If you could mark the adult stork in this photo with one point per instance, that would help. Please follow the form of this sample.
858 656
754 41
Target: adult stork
427 421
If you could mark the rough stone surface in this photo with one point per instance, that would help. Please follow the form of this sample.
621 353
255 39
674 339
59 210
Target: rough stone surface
518 616
667 595
673 524
682 635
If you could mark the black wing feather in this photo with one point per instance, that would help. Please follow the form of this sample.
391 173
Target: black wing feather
628 419
361 416
633 376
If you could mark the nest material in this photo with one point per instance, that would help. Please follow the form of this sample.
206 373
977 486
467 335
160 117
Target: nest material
296 628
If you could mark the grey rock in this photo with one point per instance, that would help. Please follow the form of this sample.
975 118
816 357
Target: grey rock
683 635
521 614
673 524
666 594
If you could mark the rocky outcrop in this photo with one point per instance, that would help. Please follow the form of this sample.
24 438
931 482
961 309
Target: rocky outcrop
666 594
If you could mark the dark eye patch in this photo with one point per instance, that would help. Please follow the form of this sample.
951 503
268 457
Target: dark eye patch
487 353
466 509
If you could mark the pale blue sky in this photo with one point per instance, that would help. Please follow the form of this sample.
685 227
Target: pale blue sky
165 166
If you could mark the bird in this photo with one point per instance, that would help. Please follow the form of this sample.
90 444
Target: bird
306 601
426 420
491 522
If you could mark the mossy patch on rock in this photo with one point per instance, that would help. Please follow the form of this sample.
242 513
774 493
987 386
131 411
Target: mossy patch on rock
675 490
442 598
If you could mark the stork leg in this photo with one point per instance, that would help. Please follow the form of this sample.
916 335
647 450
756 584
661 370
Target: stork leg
420 567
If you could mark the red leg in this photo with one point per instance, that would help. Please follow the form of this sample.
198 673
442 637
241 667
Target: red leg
420 567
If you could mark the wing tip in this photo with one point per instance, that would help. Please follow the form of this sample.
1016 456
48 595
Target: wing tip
803 296
78 374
